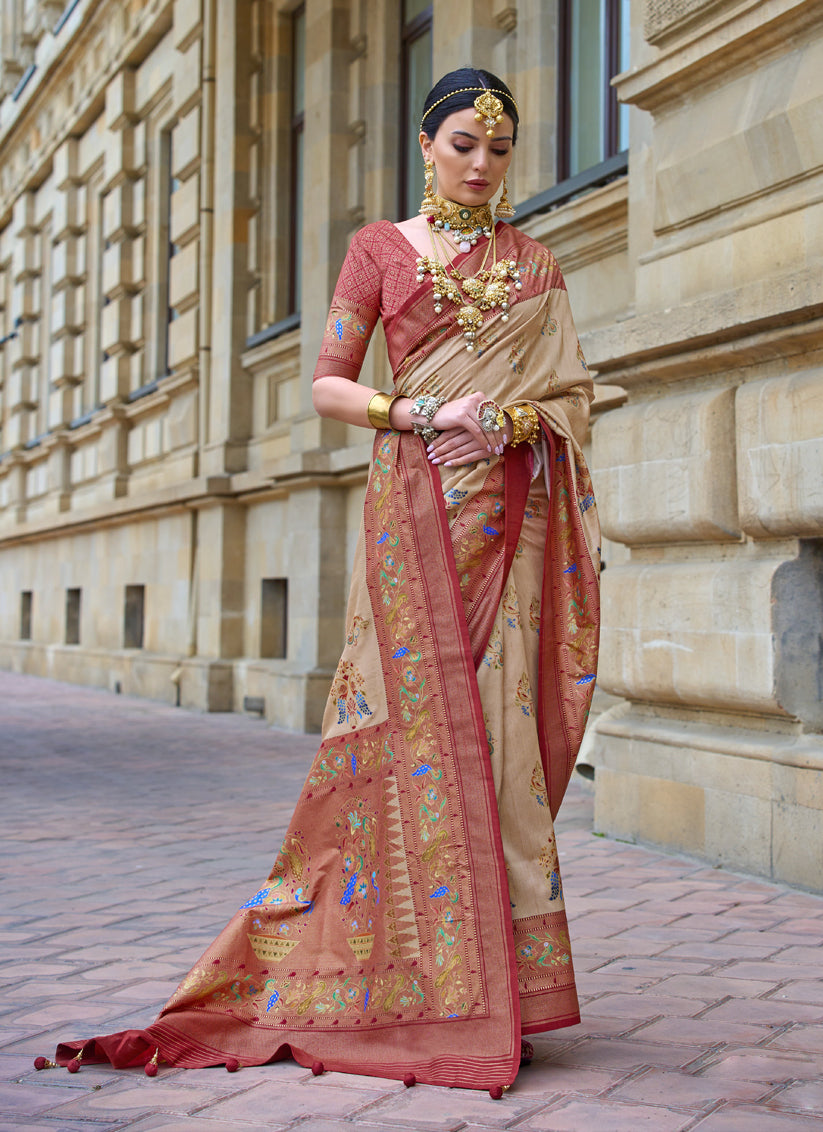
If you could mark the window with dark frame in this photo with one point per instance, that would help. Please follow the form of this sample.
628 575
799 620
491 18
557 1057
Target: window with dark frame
73 617
296 144
274 616
134 611
415 84
26 599
593 47
168 250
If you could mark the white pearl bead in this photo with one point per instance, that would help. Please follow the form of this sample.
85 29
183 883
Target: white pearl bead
504 318
438 309
518 286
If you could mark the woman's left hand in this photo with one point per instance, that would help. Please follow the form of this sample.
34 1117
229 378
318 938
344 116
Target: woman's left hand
457 446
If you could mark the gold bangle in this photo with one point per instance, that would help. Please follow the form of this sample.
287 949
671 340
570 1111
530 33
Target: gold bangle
525 424
378 409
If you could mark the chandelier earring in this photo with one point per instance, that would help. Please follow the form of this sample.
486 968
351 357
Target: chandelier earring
505 209
429 206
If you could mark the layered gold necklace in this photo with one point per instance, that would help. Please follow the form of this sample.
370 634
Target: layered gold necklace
486 289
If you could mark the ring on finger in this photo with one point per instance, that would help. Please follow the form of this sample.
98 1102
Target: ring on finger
490 416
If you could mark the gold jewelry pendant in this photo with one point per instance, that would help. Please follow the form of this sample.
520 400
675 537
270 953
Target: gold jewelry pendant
505 209
429 206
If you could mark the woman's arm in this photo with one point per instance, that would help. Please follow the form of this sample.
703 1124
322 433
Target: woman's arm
347 401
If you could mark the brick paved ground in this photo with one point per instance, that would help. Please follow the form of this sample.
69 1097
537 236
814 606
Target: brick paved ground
131 832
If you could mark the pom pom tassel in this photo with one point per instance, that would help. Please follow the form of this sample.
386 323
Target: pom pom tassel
44 1063
496 1092
410 1080
150 1068
232 1065
317 1068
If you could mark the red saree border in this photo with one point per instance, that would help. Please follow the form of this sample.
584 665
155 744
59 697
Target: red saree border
571 606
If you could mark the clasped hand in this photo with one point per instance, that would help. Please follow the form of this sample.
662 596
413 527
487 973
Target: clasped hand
462 440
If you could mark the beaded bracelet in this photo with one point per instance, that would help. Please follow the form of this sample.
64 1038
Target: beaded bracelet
426 406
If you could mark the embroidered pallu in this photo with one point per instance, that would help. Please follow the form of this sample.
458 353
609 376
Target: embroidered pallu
413 921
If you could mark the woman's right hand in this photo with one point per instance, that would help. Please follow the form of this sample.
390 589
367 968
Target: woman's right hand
462 440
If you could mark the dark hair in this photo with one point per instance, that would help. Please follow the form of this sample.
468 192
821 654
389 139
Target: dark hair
455 81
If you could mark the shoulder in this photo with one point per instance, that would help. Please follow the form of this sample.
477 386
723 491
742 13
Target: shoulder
372 238
527 245
541 260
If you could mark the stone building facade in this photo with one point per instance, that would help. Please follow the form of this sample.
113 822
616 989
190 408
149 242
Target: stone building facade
178 183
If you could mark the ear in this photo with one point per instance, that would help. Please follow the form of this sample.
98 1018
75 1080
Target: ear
425 145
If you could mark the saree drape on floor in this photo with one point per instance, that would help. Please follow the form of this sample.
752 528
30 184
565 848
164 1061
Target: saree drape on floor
413 922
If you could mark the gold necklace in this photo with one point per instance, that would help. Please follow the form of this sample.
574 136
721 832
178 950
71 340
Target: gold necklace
465 223
483 291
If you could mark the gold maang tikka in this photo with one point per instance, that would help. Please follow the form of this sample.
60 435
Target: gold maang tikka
489 111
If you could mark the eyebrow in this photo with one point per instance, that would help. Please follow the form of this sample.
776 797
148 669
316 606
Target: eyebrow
474 137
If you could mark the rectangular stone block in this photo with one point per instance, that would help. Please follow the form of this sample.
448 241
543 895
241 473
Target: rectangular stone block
68 261
184 339
184 276
188 76
663 470
185 148
115 325
185 211
798 843
650 809
780 455
690 632
124 266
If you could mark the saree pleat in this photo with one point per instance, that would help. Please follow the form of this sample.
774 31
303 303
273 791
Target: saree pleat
413 921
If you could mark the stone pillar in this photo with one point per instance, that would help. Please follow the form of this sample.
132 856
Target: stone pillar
68 274
710 474
229 386
24 348
124 247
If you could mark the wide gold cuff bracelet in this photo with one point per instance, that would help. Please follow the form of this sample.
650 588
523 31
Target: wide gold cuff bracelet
378 409
525 422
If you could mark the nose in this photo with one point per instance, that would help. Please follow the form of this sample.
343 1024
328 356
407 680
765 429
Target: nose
481 160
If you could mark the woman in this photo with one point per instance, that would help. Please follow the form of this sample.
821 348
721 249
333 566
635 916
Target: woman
413 923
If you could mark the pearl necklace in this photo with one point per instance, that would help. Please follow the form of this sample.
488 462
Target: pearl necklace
483 291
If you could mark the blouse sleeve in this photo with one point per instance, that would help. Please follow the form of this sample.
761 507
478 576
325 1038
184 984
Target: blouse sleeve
354 311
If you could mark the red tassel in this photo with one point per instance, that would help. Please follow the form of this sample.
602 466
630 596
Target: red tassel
409 1080
317 1068
232 1065
496 1092
150 1068
44 1063
74 1065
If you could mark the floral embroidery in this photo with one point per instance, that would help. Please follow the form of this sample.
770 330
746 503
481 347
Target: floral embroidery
551 866
345 327
523 696
580 357
359 624
455 497
516 354
511 607
534 615
537 786
541 949
549 325
493 656
347 693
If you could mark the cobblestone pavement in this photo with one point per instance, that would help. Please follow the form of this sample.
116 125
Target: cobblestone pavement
130 833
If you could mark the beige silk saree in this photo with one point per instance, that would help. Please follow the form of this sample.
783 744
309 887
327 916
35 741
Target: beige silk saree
413 923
